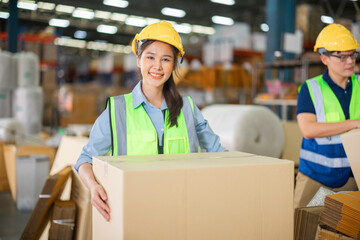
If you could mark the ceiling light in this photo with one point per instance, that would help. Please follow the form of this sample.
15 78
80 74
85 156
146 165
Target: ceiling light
102 14
150 21
106 29
225 2
83 13
173 12
118 17
222 20
183 28
28 5
264 27
69 42
46 6
203 29
4 15
80 34
55 22
116 3
327 19
64 8
5 1
136 21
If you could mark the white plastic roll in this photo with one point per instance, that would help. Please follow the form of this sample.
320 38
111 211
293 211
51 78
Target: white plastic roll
28 69
28 104
5 103
246 128
7 77
11 129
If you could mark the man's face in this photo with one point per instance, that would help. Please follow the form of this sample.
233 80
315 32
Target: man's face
340 64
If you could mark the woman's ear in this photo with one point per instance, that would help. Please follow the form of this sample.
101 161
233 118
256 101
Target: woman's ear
138 61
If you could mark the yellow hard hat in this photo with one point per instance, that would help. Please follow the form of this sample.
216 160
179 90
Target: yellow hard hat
160 31
336 37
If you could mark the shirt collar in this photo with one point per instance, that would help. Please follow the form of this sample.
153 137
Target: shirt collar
331 83
139 97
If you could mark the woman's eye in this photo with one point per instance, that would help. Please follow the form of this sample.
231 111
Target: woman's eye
150 57
166 59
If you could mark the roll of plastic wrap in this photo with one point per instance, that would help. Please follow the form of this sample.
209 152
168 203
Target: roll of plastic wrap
28 69
246 128
5 103
28 108
11 129
7 72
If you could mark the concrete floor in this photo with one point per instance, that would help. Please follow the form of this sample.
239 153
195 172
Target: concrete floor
12 221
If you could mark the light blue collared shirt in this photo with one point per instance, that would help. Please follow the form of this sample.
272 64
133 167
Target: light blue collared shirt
100 136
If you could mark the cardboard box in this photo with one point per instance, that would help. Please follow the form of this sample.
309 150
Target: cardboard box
82 198
11 152
325 233
228 195
292 143
351 144
4 183
306 222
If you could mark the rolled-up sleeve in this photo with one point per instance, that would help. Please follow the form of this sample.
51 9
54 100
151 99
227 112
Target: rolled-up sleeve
208 140
99 140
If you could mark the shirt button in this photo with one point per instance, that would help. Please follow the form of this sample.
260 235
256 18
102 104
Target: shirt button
162 129
345 92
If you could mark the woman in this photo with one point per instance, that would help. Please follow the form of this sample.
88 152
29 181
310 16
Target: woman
153 118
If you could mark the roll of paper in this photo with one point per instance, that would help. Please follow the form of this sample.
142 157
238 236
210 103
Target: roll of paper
28 69
7 71
246 128
11 129
5 103
28 108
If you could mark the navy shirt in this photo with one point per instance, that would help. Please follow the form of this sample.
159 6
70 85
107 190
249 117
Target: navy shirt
305 104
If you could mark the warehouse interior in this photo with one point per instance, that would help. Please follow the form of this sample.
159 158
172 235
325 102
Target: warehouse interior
244 64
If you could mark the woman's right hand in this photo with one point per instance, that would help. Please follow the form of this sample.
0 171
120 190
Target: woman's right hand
98 193
98 200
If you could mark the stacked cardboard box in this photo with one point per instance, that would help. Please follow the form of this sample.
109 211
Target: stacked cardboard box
230 195
342 212
326 233
306 222
308 20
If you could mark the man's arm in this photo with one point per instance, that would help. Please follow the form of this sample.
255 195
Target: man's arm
310 128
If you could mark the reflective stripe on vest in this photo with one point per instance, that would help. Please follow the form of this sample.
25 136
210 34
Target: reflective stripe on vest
322 160
320 90
135 134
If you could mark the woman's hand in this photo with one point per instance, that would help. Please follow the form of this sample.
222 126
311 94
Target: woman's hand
98 200
98 194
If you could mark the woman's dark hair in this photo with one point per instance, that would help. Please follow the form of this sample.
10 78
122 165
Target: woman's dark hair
171 94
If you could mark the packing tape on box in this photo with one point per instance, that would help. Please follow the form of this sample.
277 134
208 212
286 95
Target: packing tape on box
11 129
246 128
65 222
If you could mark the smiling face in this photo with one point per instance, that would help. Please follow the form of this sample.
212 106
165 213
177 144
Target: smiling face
156 63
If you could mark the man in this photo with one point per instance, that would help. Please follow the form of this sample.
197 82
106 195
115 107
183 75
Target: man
328 105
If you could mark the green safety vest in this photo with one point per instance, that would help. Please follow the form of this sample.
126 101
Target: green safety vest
140 136
329 106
